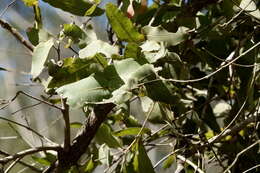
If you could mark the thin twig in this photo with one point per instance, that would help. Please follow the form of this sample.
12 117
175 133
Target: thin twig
30 129
6 8
165 157
250 169
12 165
17 35
30 151
30 96
195 167
207 76
240 153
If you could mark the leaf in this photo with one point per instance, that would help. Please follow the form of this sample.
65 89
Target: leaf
250 7
153 51
141 161
104 135
78 7
125 68
122 26
169 161
32 34
87 90
98 46
39 57
90 166
104 155
72 70
42 161
132 131
73 31
76 125
160 34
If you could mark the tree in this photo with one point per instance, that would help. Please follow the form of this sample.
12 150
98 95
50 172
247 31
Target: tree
188 69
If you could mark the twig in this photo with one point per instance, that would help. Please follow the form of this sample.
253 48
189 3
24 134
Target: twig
30 96
195 167
240 153
207 76
24 153
165 157
250 169
234 129
21 162
65 113
12 165
16 34
28 128
6 8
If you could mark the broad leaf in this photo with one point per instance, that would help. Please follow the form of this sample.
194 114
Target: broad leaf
72 70
78 7
141 161
39 57
250 7
84 91
98 46
122 26
73 31
104 135
160 34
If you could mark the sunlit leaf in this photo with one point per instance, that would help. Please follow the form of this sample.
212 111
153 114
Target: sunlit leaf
160 34
72 70
98 46
122 26
39 57
83 91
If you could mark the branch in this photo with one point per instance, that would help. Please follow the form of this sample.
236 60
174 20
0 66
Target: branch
66 159
235 129
65 113
21 154
17 35
240 153
22 163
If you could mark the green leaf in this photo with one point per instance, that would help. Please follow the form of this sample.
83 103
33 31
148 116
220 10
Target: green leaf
73 31
91 10
160 34
98 46
30 2
72 70
76 125
125 68
169 161
90 166
132 131
153 51
39 57
33 35
141 161
87 90
78 7
122 26
42 161
104 135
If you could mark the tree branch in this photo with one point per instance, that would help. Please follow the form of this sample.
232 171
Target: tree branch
21 154
17 35
21 162
65 113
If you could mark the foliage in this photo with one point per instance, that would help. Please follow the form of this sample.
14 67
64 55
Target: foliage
192 67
